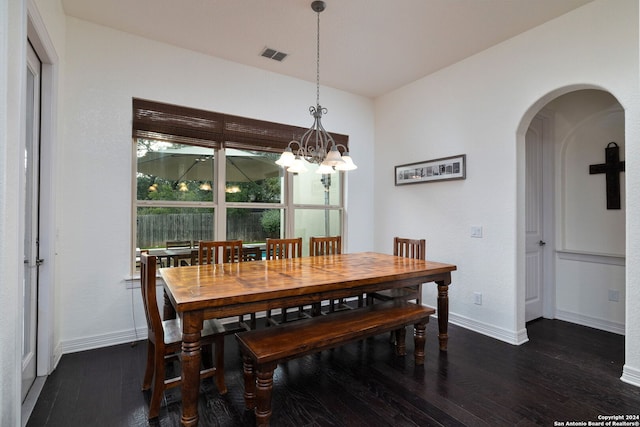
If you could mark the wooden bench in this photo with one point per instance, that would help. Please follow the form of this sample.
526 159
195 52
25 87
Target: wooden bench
263 349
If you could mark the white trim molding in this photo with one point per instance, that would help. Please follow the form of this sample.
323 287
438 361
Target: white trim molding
592 322
630 375
610 259
510 337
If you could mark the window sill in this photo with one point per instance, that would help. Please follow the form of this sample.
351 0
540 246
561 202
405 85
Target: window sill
133 282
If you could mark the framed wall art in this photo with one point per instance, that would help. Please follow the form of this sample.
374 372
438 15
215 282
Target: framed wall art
446 168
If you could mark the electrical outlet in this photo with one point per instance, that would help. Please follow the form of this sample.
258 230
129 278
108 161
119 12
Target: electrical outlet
477 298
614 295
476 231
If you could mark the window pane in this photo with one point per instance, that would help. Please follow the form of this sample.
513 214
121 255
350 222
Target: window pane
169 171
316 222
254 225
158 225
253 176
309 188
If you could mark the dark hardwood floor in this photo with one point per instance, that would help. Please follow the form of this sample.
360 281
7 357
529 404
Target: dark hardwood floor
564 373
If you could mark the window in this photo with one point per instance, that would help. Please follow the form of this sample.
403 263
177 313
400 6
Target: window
317 205
174 193
208 176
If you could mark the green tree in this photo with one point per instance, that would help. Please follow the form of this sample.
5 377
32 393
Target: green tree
271 222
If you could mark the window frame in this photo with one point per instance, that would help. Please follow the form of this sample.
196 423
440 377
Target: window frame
219 204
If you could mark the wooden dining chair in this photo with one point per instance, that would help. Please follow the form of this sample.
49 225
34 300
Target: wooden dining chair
164 342
224 252
283 249
219 251
408 248
327 246
138 253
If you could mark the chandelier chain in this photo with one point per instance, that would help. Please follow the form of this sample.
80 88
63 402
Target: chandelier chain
316 145
318 60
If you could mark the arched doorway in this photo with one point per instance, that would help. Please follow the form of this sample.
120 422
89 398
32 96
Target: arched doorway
582 275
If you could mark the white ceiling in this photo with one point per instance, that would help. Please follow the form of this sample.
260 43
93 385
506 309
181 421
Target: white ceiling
367 47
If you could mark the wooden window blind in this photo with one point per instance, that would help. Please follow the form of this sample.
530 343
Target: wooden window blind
184 125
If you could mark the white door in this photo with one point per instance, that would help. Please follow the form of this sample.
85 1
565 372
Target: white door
534 215
31 220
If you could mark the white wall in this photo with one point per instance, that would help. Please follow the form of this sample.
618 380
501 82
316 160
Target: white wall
104 70
585 122
590 240
12 31
482 107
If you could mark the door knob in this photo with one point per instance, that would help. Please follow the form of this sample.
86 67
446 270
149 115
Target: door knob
542 243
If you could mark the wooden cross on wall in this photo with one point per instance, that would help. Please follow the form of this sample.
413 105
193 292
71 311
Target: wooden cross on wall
611 168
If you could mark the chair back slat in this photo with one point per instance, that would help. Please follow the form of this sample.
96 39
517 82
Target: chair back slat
219 251
410 248
148 268
284 248
325 245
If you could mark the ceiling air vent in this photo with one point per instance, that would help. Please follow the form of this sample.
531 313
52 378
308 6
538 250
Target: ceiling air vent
273 54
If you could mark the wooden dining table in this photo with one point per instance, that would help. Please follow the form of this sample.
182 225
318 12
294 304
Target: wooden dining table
224 290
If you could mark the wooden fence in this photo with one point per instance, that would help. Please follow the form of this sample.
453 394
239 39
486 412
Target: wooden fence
154 231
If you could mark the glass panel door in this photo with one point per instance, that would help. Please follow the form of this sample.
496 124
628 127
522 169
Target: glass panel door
31 216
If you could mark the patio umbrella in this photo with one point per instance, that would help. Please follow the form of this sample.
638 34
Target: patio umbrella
193 163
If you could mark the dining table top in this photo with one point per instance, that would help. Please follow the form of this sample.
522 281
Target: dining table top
217 285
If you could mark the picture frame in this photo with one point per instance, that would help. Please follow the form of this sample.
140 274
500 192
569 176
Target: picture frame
442 169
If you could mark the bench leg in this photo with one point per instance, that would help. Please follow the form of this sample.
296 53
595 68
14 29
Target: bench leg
401 345
419 339
264 387
249 382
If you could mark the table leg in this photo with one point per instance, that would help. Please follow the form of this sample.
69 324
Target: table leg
443 313
191 356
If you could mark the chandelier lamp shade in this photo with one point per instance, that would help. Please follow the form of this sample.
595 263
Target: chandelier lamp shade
316 145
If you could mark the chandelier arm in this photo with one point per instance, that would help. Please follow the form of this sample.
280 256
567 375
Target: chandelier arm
344 147
292 143
326 135
308 144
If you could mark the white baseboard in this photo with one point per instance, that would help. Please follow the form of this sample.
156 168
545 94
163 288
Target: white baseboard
510 337
116 338
130 335
592 322
630 375
99 341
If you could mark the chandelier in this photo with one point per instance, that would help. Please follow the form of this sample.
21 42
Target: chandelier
316 145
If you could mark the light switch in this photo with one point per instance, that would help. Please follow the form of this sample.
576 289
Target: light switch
476 231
